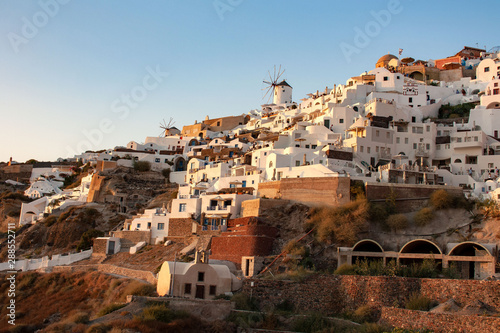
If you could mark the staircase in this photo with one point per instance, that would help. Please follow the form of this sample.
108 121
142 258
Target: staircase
125 245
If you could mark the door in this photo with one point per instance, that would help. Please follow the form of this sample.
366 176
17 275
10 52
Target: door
244 183
200 292
111 247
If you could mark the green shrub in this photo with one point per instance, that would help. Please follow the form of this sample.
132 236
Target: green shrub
423 216
110 308
166 174
313 323
418 302
142 166
87 239
441 199
377 213
397 222
161 312
345 269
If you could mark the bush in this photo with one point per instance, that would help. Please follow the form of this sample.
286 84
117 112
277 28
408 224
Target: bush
397 222
341 224
244 302
312 323
87 239
345 269
441 199
166 174
110 308
366 313
418 302
161 312
142 166
423 216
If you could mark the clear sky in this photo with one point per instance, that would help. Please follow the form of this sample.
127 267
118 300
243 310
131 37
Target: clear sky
97 74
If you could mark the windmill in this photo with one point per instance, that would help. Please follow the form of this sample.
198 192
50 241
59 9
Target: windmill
165 127
272 83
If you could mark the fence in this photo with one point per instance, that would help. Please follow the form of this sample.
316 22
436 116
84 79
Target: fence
56 260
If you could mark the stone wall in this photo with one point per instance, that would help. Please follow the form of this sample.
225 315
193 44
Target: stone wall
105 165
409 197
330 191
209 310
99 246
332 294
17 172
439 322
110 269
180 227
255 207
95 187
134 236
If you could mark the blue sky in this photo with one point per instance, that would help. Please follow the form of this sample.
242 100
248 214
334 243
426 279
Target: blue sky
68 76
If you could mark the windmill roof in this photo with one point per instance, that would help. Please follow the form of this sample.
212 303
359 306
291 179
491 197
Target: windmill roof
284 83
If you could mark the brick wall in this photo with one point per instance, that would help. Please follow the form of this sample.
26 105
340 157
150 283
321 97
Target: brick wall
439 322
233 248
331 191
409 197
332 294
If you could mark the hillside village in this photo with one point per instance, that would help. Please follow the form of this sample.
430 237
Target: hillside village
212 208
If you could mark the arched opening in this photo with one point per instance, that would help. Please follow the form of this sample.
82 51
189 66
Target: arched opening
475 91
180 164
418 250
355 108
417 76
457 161
193 142
372 251
468 267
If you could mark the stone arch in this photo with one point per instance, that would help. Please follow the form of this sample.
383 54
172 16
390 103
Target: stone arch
417 75
417 250
467 249
471 269
368 245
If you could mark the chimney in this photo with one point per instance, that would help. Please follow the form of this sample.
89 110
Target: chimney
10 161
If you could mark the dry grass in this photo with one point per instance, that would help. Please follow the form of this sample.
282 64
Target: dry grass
341 225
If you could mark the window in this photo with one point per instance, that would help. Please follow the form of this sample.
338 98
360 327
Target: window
438 147
138 226
297 163
414 146
386 78
161 226
495 91
397 140
459 139
368 149
157 160
398 77
406 141
388 135
149 225
486 69
314 146
428 128
187 289
377 133
166 160
182 207
201 276
428 146
307 146
341 121
410 99
213 290
413 119
376 149
361 149
476 138
218 123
